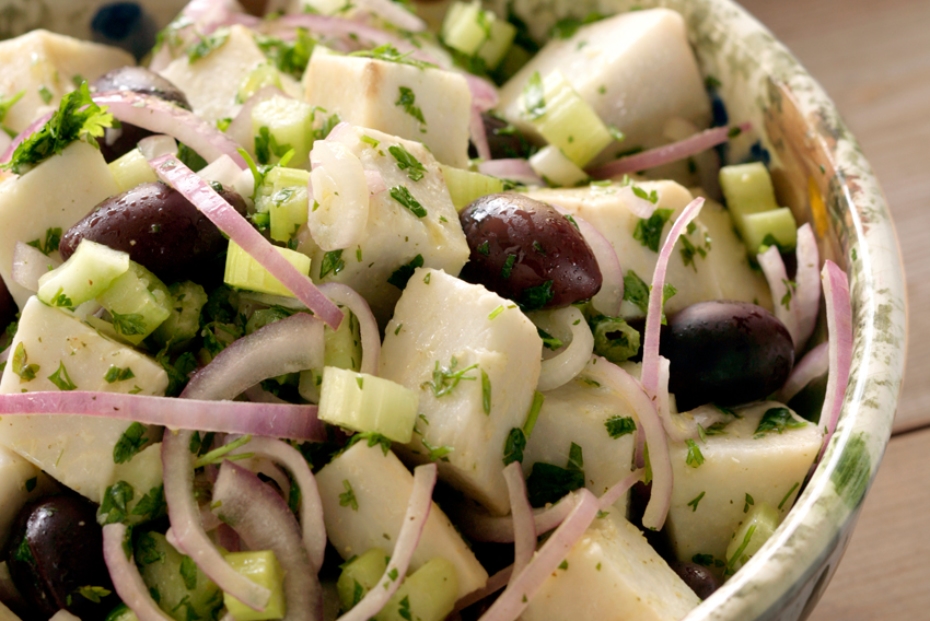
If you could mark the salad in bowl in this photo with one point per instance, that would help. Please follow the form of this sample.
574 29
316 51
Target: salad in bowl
337 311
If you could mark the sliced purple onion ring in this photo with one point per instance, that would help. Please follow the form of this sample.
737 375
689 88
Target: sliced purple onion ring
159 116
478 134
806 301
480 526
814 364
515 598
418 508
29 264
512 169
571 359
264 522
295 422
619 489
666 154
524 526
229 221
777 276
839 330
126 578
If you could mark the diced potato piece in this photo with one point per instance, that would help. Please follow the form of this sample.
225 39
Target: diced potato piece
211 83
612 573
75 450
430 105
364 492
635 69
20 482
578 413
45 66
393 235
741 468
55 194
717 274
466 414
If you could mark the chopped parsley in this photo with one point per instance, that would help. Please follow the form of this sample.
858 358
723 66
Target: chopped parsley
788 495
790 288
332 263
51 243
46 95
694 501
648 232
485 392
748 503
290 57
372 439
445 380
484 248
533 414
548 483
21 367
619 426
266 146
207 45
507 268
347 498
407 100
389 53
514 446
566 27
61 379
635 290
534 97
130 443
549 341
437 453
92 593
695 458
402 274
777 420
114 507
403 196
534 298
406 161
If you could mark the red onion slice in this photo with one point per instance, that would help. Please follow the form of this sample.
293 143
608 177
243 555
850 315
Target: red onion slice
571 359
478 134
814 364
264 522
368 327
375 182
839 329
512 169
290 345
418 508
524 526
295 422
665 154
777 276
806 301
480 526
229 221
619 489
514 600
126 578
30 130
30 264
159 116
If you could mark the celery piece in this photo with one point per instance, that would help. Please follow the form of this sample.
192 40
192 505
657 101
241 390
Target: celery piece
343 349
284 196
261 567
180 588
366 403
428 594
569 123
759 525
263 75
360 575
130 170
186 302
86 274
282 124
747 188
244 272
556 169
777 227
465 185
463 28
499 41
138 302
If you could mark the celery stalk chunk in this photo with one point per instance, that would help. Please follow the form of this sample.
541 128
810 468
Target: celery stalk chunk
465 185
555 168
261 567
280 124
366 403
244 272
569 123
476 32
768 228
187 301
130 170
138 301
183 591
342 348
755 530
751 200
86 274
283 194
360 575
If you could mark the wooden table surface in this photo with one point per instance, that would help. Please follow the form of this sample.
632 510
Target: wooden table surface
873 58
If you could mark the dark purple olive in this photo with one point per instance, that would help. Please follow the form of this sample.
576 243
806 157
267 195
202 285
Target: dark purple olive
726 353
7 308
701 580
504 140
119 141
56 558
525 250
159 228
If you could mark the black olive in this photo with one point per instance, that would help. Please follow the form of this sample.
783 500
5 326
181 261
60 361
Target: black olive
701 580
504 140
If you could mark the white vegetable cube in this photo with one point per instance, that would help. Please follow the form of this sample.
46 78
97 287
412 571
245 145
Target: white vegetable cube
743 466
612 573
636 70
427 104
52 351
44 66
53 195
366 403
598 421
411 221
364 492
20 482
475 359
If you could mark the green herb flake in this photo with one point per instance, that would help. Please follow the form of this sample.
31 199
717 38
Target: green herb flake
484 248
695 458
695 501
290 57
788 495
507 268
360 381
114 504
619 426
130 443
370 141
21 367
636 291
389 53
31 483
485 392
266 146
46 95
533 415
207 45
445 380
648 232
548 483
534 298
51 243
93 593
152 506
115 374
402 274
61 379
534 97
223 452
652 197
403 196
748 503
563 565
347 498
406 99
437 453
188 571
777 420
404 609
575 458
705 560
514 446
148 551
332 263
130 324
549 341
406 161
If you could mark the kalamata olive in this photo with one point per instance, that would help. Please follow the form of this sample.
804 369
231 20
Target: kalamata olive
121 140
504 140
159 228
726 353
56 558
7 308
701 580
525 250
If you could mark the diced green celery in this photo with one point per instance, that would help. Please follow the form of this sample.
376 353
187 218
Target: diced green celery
366 403
261 567
343 349
283 194
138 302
747 188
186 302
759 525
465 27
130 170
499 41
428 594
260 77
465 185
569 123
86 274
360 575
280 124
181 589
244 272
768 228
556 169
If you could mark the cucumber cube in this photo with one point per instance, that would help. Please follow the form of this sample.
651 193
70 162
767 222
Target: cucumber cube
131 169
86 274
366 403
748 188
476 32
465 185
284 196
360 575
755 530
280 124
261 567
769 228
244 272
187 301
138 302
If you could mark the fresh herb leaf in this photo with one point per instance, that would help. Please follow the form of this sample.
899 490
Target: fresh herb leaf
403 196
507 268
290 57
207 45
534 298
445 380
777 420
514 446
389 53
332 263
407 99
694 501
372 439
130 443
437 453
402 274
266 146
93 593
566 27
406 161
549 341
51 243
404 609
130 324
695 458
636 291
116 374
148 550
223 452
575 458
648 232
652 197
619 426
188 571
61 379
151 506
534 97
347 498
21 367
485 392
748 503
548 483
115 502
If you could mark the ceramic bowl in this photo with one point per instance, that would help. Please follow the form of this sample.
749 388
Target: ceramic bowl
820 173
